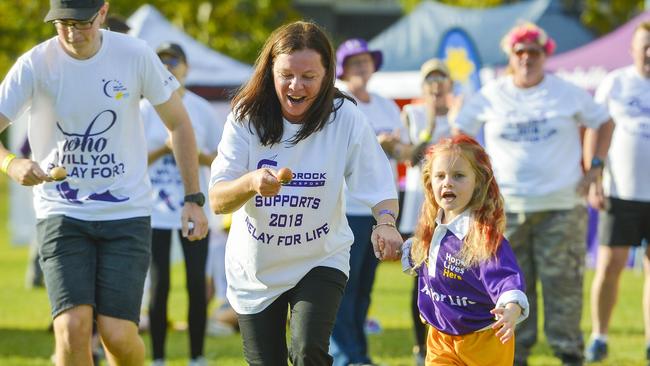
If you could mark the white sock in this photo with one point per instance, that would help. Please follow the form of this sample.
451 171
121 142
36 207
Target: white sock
599 336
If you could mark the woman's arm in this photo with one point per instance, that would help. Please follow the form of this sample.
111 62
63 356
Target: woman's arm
386 240
229 196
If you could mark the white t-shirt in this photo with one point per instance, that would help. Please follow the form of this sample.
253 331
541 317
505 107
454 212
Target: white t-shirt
383 116
84 116
275 241
533 138
627 173
168 190
414 190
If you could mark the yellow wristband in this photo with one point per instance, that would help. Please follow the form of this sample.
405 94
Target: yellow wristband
5 163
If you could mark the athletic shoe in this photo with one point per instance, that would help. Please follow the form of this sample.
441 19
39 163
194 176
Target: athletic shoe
158 362
571 360
419 359
372 326
216 328
199 361
596 351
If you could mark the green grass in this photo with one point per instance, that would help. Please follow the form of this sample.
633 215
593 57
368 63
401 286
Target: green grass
24 317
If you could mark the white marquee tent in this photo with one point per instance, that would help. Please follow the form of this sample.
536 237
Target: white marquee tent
207 66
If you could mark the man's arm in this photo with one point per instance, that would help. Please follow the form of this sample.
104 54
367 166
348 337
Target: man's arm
175 117
4 123
24 171
595 146
596 142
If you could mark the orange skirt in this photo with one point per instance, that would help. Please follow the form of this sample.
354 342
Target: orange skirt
475 349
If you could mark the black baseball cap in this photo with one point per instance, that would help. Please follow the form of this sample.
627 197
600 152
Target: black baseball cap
173 49
73 9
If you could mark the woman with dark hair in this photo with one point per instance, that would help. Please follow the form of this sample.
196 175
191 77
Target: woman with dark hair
289 245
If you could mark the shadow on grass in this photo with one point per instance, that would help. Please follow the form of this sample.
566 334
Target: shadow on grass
392 342
215 349
29 343
35 345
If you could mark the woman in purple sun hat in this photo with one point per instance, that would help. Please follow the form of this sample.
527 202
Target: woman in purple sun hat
355 65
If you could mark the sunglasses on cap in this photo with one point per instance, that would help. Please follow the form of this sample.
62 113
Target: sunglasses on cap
519 50
170 60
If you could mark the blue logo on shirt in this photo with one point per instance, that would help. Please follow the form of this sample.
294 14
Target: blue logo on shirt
637 107
114 89
300 179
534 129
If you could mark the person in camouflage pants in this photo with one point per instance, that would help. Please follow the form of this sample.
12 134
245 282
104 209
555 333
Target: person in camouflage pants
550 245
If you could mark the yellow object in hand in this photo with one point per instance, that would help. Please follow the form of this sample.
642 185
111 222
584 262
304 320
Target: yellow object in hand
424 136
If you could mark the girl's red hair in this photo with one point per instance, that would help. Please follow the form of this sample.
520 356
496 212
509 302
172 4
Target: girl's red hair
486 205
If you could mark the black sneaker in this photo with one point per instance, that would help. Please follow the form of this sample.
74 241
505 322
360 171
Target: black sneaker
571 360
597 351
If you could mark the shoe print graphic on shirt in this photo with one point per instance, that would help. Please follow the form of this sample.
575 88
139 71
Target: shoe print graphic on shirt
68 193
106 196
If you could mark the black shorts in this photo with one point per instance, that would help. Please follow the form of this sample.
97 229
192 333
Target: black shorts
98 263
624 223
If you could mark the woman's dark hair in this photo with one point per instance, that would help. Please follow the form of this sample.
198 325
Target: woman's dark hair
257 100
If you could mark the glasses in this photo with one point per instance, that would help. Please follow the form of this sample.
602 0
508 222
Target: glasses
431 79
170 61
78 25
532 52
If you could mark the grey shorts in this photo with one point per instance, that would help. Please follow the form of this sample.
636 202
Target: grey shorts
97 263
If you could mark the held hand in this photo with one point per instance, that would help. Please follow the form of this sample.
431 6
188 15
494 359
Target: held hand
387 242
265 182
193 221
27 172
596 196
506 320
591 176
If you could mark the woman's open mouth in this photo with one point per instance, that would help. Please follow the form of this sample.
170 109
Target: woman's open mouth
296 100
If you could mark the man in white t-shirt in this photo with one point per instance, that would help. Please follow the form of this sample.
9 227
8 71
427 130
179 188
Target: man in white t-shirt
82 89
532 126
624 220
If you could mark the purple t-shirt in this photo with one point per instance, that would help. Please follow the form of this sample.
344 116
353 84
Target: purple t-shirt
458 300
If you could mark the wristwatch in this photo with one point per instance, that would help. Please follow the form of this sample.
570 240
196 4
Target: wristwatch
597 162
197 198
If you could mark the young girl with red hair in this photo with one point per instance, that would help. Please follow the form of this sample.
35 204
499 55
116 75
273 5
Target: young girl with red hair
468 274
